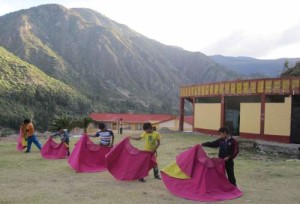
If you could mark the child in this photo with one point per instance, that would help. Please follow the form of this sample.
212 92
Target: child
64 137
152 142
31 138
227 150
106 136
24 135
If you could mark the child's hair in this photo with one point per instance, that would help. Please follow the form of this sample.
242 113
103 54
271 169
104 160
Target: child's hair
147 126
26 121
101 126
223 130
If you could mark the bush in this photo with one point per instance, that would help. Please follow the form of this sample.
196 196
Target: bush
6 132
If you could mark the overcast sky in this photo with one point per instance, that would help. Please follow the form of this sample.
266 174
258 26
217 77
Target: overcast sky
262 29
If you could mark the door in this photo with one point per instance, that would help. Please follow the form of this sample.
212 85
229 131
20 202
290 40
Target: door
295 120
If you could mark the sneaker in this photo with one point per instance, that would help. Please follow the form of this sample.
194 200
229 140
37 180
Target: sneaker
157 177
142 180
26 151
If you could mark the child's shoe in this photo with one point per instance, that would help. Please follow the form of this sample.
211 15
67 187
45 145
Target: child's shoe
157 177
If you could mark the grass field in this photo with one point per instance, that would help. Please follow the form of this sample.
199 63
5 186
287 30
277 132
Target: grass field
28 178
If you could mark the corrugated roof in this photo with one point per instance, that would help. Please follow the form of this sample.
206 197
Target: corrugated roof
130 118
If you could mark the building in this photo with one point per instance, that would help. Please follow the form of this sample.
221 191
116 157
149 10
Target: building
136 121
173 124
115 121
266 109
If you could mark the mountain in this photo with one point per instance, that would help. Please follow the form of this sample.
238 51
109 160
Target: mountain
254 67
27 91
114 67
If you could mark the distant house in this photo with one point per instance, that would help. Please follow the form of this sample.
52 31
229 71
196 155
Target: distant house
128 121
135 121
173 124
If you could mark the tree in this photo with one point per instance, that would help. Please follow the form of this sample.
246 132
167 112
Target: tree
292 71
63 122
286 65
84 123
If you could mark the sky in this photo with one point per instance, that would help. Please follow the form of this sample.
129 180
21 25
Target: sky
262 29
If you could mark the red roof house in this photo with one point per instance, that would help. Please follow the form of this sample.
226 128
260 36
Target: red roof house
127 121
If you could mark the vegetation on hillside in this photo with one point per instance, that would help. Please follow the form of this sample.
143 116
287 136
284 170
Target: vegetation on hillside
291 71
27 92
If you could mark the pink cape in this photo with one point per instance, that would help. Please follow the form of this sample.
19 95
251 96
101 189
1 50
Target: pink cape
53 150
88 156
125 162
207 181
21 143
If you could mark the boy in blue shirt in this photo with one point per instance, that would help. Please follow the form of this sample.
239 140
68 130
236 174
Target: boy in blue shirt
228 149
64 137
106 136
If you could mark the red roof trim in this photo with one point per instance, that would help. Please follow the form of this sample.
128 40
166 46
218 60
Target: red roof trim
130 118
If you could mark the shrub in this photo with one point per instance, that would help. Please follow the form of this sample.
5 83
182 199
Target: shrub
6 132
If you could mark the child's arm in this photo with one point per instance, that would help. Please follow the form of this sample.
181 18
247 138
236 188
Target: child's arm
213 144
96 135
55 134
112 138
157 145
135 137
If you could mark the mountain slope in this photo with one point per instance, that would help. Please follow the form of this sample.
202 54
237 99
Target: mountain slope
117 68
25 91
252 66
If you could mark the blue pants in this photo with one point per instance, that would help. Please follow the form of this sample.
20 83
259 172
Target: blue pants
33 139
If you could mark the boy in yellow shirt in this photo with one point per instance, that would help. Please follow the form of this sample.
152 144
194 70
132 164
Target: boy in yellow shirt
152 142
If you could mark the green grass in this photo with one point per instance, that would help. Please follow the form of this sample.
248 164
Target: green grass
28 178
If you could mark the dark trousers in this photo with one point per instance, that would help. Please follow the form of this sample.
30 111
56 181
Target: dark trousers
67 142
156 171
229 166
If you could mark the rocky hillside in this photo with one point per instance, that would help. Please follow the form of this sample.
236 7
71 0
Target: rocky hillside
114 67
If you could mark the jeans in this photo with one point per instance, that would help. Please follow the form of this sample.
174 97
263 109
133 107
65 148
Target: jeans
33 139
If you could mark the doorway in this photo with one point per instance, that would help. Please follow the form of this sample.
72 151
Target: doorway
295 120
232 108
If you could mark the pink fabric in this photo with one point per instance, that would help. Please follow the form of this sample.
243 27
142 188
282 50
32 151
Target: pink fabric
207 182
88 156
125 162
20 146
53 150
